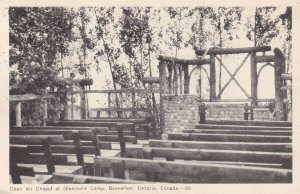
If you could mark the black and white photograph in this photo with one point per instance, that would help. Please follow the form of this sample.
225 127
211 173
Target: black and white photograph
138 96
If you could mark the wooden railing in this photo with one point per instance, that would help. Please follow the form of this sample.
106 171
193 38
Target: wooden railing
119 109
19 99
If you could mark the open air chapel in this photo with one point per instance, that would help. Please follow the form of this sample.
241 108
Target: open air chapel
178 137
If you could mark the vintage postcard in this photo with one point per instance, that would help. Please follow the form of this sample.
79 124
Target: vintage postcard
150 97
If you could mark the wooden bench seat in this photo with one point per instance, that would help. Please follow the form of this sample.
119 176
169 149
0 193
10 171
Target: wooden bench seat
24 158
238 131
34 139
251 123
99 129
77 136
228 137
113 126
81 123
247 146
183 172
71 137
61 178
41 151
122 120
68 135
241 127
285 159
115 138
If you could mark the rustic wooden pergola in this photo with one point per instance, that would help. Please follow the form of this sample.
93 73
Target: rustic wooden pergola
171 71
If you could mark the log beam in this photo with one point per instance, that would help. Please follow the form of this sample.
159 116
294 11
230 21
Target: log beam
264 58
219 51
184 62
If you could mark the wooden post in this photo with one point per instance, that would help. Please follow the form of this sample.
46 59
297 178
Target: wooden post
175 79
64 114
180 79
83 104
120 113
72 102
14 172
96 142
72 106
253 69
18 109
170 70
133 104
279 62
78 148
162 76
212 78
109 104
186 78
121 139
246 108
45 115
48 155
118 170
133 129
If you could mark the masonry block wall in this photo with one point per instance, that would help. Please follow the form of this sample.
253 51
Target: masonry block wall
224 111
181 112
262 114
233 111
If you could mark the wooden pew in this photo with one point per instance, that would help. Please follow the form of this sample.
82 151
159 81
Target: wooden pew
238 131
71 137
240 157
82 123
61 178
115 125
228 137
83 134
44 157
250 123
122 120
183 172
247 146
18 153
87 135
142 125
241 127
131 128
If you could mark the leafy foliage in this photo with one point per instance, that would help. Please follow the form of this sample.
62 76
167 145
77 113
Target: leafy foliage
38 38
264 28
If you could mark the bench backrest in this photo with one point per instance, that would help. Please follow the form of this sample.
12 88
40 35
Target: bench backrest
18 153
175 171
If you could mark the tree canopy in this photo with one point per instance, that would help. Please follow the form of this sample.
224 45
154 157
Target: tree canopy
50 43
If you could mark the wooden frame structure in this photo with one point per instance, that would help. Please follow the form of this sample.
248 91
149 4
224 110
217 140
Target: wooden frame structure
170 68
